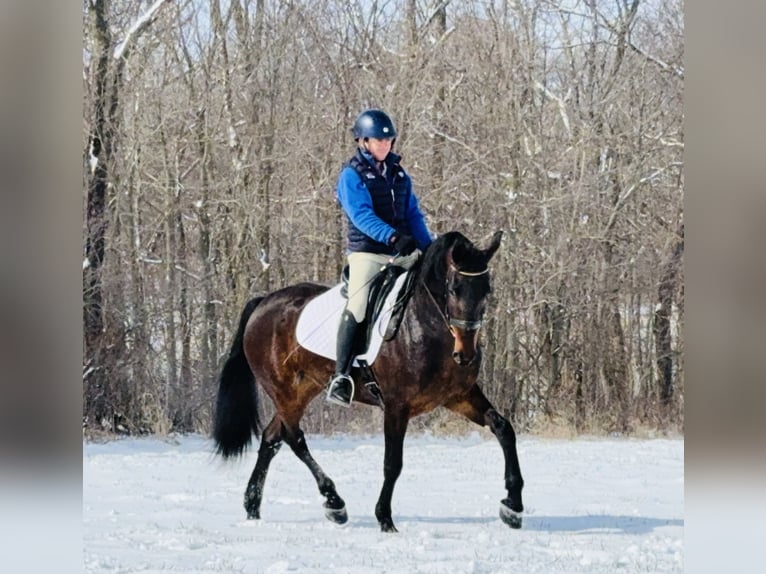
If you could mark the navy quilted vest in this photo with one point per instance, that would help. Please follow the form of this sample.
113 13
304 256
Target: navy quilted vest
389 201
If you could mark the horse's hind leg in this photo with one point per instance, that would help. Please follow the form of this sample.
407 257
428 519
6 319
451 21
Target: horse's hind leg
335 507
271 441
477 408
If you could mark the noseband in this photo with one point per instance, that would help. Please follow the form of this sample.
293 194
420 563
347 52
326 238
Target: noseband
462 324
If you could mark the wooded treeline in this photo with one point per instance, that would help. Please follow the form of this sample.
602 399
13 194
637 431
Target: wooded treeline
214 132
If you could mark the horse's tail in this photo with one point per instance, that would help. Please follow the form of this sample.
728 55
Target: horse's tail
236 408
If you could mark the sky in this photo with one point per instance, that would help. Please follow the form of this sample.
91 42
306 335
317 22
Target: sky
593 505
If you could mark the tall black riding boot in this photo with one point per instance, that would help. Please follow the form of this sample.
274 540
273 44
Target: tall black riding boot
341 386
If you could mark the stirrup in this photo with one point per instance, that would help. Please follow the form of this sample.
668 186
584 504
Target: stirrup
333 388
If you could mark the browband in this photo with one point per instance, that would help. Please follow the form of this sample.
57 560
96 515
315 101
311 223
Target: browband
470 274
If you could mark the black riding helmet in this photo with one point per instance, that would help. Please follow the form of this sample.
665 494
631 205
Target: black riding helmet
373 124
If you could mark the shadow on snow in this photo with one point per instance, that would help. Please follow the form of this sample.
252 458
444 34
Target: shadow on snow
588 524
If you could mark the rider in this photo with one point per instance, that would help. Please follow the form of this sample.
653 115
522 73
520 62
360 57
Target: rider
384 221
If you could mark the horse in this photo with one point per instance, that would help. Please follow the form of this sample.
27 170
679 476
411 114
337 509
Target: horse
433 361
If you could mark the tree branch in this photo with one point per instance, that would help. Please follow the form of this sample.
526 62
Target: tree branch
138 28
561 105
625 196
666 67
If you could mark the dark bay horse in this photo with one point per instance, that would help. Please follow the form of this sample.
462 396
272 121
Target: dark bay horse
433 361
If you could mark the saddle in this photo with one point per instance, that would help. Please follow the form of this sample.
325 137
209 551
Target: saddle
317 326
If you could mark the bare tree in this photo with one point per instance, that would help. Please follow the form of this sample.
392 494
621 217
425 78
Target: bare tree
105 85
558 122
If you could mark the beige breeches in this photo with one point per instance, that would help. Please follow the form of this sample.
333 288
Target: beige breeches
362 269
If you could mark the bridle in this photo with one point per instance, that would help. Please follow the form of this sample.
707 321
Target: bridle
449 321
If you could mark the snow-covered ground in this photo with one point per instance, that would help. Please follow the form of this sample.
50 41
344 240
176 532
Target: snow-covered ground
592 505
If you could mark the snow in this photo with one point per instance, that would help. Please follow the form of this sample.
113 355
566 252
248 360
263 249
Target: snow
592 505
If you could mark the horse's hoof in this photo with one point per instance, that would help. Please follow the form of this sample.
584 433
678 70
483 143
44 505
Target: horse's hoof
511 517
335 509
387 526
336 515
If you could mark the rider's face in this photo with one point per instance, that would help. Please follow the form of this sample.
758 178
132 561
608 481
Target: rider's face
379 148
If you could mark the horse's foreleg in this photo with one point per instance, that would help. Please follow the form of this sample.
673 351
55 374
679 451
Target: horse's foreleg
511 508
335 507
394 428
271 441
477 408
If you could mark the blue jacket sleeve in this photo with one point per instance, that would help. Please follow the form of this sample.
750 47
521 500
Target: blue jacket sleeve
354 198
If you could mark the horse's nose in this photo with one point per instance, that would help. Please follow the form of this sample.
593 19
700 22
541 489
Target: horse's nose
460 359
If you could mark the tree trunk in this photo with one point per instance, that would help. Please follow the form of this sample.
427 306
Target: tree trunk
437 168
616 370
99 152
666 291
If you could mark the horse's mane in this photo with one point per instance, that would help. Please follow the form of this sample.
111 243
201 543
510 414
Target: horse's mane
433 265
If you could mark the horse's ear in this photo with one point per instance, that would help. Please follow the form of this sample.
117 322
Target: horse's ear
493 244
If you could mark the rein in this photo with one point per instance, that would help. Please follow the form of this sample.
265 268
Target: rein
436 304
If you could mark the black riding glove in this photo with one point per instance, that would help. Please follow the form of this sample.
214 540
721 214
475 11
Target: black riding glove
404 244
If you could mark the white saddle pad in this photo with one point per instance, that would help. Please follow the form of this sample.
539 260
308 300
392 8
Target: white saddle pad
317 326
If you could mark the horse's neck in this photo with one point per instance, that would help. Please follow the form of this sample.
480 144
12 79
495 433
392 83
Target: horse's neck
426 308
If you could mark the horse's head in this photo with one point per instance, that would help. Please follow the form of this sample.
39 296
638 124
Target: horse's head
465 286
